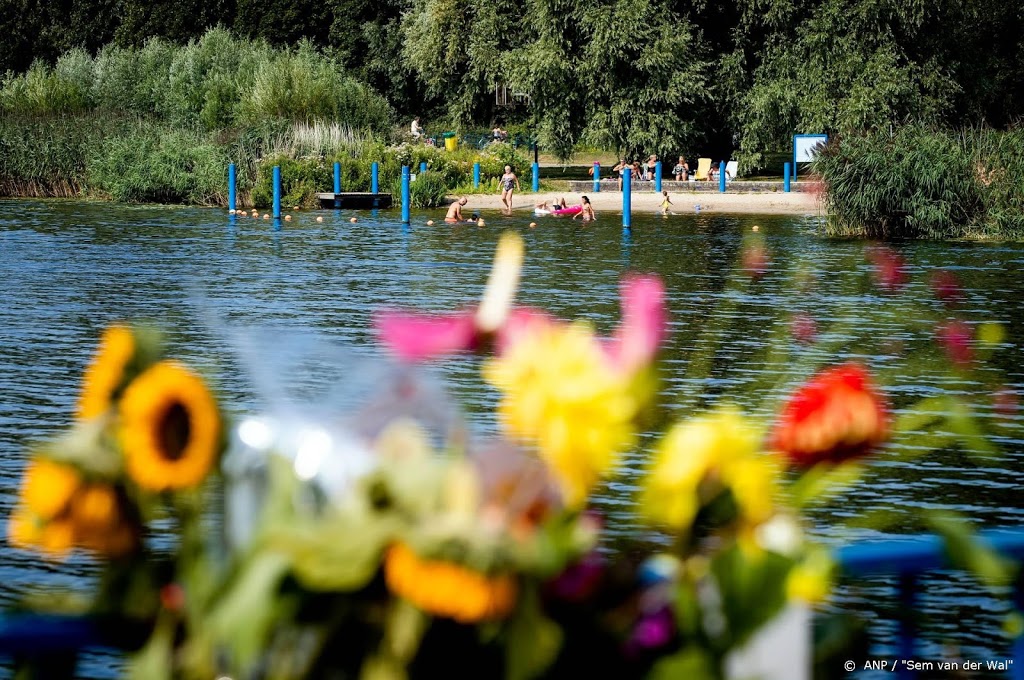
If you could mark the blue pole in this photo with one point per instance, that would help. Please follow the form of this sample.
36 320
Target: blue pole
337 183
721 177
627 202
657 177
374 177
785 177
277 191
536 177
476 175
423 166
405 194
231 186
597 177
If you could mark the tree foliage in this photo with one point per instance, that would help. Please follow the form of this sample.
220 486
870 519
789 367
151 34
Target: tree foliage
640 75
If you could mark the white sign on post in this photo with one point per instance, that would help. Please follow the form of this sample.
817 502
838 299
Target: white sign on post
805 148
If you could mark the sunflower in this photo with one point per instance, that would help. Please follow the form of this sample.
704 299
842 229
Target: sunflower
447 589
170 428
48 488
106 371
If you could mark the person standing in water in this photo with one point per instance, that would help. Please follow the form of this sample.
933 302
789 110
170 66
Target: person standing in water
665 203
509 184
587 211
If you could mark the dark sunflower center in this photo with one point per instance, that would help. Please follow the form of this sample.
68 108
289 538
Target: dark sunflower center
175 428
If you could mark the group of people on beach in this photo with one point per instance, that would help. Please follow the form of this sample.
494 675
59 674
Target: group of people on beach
645 171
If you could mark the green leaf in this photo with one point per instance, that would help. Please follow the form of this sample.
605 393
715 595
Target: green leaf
966 551
533 640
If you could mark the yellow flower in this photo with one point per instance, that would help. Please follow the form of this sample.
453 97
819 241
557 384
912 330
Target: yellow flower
48 487
447 589
560 392
170 428
26 531
811 580
697 459
106 371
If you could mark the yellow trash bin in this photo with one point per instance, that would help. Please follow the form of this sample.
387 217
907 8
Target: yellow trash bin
450 143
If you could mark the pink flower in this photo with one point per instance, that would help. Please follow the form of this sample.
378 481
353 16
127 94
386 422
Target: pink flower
804 328
417 337
890 268
955 336
946 287
644 323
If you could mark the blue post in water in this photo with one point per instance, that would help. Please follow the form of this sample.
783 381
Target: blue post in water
657 177
277 192
536 177
597 177
627 199
231 186
476 175
375 177
721 177
405 194
423 166
785 177
337 183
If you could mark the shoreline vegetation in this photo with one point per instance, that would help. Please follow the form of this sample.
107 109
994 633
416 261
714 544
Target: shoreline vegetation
160 122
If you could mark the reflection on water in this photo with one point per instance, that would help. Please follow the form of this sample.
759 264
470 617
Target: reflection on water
69 268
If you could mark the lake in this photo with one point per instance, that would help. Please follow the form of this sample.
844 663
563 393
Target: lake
70 268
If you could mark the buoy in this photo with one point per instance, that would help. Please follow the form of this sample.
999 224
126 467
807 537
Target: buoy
266 216
295 207
231 212
430 223
480 222
756 227
353 220
319 219
533 225
287 218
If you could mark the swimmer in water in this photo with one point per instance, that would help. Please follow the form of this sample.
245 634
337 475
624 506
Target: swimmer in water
455 211
587 211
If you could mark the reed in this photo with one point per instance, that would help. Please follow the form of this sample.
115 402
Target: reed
921 182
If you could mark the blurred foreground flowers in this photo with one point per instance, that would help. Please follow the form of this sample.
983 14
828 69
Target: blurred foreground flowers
387 543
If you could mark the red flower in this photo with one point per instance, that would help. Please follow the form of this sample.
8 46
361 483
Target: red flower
836 416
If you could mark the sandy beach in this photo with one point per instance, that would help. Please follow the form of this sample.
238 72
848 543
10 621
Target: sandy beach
765 203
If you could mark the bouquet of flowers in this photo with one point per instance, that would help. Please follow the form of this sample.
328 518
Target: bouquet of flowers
388 542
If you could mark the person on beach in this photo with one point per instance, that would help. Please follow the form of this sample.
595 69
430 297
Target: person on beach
587 211
590 170
652 166
509 184
416 129
621 169
665 203
454 215
682 170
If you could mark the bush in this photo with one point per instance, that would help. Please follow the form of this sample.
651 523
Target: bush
429 190
920 182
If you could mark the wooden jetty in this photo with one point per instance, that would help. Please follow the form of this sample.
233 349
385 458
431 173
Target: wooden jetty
355 200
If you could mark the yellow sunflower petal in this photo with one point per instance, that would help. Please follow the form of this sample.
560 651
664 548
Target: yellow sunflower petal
170 428
48 487
106 371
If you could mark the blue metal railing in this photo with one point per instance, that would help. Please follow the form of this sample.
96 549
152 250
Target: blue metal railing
907 559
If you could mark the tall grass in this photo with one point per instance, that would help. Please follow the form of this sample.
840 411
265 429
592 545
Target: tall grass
919 182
